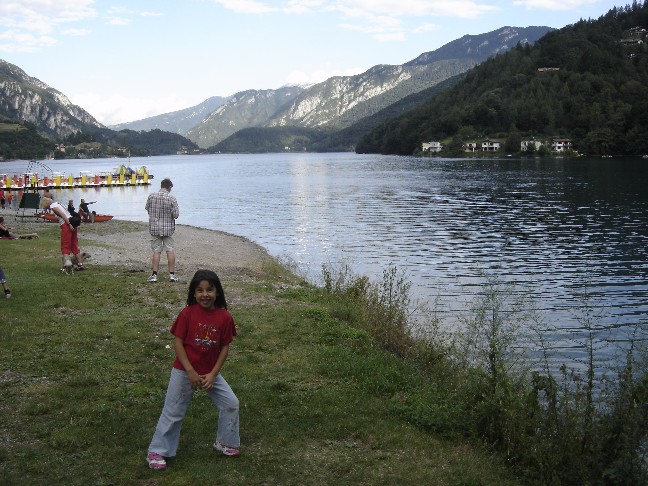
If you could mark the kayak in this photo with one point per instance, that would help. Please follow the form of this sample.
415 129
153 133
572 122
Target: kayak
99 218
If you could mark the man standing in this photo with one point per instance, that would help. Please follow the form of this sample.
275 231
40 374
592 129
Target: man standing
163 210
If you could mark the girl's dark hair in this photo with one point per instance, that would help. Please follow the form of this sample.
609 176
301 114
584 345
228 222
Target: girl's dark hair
213 279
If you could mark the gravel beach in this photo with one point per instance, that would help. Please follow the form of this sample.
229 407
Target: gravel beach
127 243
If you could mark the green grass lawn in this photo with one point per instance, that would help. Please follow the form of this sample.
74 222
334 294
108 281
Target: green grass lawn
85 364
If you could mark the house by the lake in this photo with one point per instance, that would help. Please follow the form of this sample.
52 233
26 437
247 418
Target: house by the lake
561 144
431 146
534 145
470 147
491 146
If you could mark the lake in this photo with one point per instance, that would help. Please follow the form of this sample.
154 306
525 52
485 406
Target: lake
571 234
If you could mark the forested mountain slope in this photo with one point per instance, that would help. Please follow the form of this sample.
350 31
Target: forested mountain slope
587 81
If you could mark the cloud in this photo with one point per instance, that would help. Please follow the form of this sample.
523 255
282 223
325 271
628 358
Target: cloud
246 6
114 109
76 32
425 28
119 21
553 4
28 24
384 20
412 8
394 20
303 6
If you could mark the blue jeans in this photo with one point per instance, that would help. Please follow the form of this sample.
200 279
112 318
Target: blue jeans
167 433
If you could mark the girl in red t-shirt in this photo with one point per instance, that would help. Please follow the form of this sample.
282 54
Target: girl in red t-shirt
203 332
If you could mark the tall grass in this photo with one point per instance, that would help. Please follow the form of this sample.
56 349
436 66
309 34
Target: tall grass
550 424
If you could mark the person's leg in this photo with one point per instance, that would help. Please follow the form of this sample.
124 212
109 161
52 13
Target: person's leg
168 244
66 248
66 240
3 281
155 262
228 413
167 432
156 246
76 251
171 261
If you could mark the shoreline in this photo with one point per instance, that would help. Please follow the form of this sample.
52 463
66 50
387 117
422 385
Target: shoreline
127 243
195 248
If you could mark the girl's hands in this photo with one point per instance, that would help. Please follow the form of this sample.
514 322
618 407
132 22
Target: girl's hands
208 381
195 379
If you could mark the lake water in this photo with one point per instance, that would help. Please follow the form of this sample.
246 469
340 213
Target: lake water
558 228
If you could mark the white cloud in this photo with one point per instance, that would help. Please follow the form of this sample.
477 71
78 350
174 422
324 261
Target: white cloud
385 20
425 28
76 32
303 6
246 6
412 8
116 108
119 21
29 23
553 4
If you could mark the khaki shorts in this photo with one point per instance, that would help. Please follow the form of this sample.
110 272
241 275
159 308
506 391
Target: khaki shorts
162 243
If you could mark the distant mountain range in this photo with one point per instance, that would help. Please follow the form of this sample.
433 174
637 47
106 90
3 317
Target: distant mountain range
335 105
177 122
340 101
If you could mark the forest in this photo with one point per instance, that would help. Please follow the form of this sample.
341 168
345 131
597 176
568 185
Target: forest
23 141
587 82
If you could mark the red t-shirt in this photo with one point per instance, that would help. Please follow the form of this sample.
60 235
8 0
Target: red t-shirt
204 333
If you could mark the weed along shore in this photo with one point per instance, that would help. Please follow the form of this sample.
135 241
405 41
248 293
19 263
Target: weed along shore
332 388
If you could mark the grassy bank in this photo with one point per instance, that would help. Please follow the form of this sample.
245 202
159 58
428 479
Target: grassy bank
86 359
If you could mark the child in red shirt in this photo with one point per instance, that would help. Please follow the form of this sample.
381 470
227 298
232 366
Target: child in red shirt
203 332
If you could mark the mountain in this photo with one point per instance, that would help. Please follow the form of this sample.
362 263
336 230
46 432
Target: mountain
178 121
290 138
587 82
36 116
483 46
344 140
251 108
341 101
30 100
335 104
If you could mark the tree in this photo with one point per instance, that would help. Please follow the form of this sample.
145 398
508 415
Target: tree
513 141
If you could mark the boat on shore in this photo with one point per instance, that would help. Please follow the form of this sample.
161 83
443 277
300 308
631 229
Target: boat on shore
120 177
99 218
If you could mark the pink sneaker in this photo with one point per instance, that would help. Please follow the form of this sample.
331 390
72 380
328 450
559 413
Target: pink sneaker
228 451
156 461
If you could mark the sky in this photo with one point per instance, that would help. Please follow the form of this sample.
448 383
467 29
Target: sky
126 60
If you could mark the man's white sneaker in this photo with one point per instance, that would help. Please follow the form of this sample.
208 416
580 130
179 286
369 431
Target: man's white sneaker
152 278
172 277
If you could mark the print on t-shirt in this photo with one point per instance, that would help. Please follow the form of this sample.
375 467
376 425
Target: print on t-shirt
206 336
